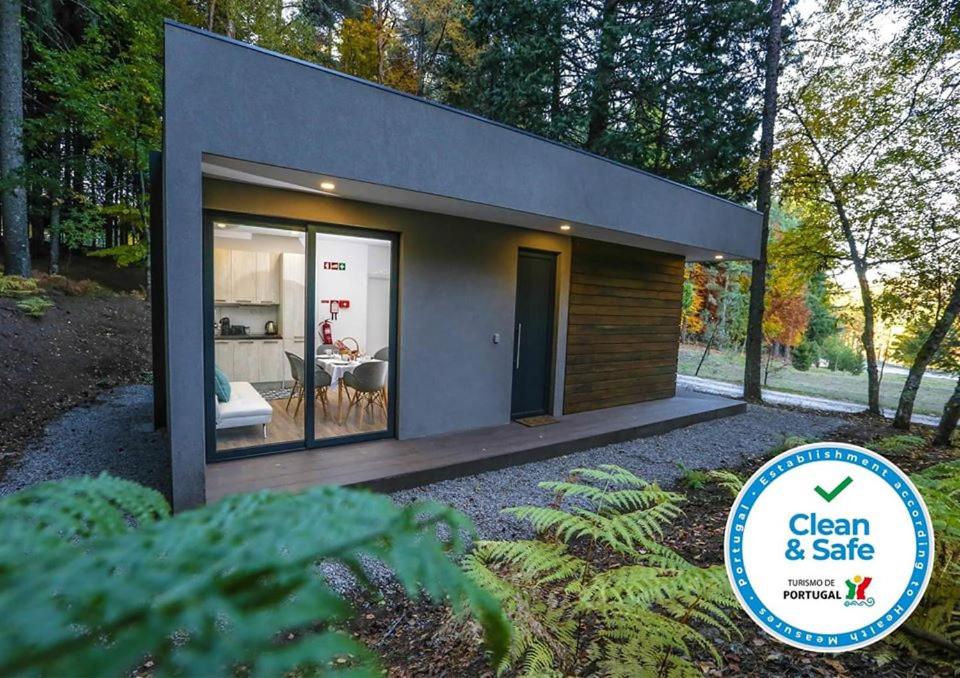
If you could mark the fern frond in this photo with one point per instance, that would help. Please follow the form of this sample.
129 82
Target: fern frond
564 525
631 620
728 480
535 560
610 473
110 578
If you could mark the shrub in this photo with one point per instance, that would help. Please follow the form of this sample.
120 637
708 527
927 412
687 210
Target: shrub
595 592
71 287
728 480
692 478
803 356
841 357
96 576
899 445
788 443
14 286
35 307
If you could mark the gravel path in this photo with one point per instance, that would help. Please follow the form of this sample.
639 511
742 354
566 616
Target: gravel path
113 434
721 443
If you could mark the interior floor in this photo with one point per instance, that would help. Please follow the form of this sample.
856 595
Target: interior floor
285 427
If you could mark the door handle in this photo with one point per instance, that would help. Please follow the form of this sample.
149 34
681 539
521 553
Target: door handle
519 334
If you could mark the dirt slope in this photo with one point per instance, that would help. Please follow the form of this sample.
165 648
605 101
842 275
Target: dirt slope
48 365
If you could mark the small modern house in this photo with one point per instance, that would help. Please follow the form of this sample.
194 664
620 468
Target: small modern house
357 286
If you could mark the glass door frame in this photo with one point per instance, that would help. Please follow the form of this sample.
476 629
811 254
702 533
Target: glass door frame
310 229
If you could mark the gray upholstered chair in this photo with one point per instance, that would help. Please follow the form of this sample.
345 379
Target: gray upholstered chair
321 380
369 384
322 349
383 353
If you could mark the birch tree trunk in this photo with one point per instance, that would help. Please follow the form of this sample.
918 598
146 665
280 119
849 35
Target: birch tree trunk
16 240
923 358
758 279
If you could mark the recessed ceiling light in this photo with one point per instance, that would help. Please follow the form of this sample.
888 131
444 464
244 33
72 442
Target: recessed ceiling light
718 257
564 227
327 185
219 225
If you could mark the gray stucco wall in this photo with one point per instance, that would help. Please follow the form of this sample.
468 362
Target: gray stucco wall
239 102
457 282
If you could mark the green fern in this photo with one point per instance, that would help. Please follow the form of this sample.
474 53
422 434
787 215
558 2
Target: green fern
898 446
692 478
597 583
728 480
35 307
95 576
788 443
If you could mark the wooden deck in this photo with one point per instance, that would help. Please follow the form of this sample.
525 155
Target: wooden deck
388 465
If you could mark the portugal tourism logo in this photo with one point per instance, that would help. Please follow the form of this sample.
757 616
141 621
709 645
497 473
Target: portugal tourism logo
829 547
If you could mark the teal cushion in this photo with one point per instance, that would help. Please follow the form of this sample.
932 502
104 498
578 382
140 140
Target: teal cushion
221 385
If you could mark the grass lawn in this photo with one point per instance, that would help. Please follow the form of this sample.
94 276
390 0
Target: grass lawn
728 366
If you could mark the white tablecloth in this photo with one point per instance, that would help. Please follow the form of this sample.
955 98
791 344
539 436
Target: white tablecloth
335 371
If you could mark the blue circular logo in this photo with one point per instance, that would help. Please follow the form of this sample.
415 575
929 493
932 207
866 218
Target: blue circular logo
829 547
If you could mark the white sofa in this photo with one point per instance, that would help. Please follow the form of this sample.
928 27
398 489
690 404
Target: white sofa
246 407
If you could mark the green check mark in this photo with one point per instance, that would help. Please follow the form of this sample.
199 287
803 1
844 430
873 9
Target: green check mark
830 496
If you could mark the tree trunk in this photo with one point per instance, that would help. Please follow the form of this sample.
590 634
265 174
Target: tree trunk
16 240
603 76
54 266
948 422
758 278
869 345
923 358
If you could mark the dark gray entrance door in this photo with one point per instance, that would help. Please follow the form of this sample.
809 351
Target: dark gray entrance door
533 333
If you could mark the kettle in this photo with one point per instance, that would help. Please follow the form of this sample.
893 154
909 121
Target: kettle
270 327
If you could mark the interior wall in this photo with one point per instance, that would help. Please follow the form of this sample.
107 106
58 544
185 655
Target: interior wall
457 289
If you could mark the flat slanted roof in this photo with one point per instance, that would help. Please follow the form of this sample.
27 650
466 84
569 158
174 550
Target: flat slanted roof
253 115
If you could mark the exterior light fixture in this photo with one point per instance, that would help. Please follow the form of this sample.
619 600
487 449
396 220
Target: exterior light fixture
564 227
718 257
327 185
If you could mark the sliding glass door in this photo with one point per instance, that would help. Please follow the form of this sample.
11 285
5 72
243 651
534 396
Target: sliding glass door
353 273
301 325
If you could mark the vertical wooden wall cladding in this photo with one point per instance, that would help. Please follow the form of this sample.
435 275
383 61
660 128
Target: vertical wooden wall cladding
624 325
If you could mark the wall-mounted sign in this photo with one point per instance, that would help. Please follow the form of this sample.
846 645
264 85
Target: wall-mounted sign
342 303
334 266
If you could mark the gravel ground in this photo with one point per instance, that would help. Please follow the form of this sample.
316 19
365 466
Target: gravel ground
714 444
114 434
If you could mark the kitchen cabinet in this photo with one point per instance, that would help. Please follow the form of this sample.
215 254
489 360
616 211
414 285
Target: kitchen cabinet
253 360
268 278
243 276
271 360
222 285
224 352
246 364
292 277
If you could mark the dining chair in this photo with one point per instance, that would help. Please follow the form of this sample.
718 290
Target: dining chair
321 380
383 354
322 349
369 382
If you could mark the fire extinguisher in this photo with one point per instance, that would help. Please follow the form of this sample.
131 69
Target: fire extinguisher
326 332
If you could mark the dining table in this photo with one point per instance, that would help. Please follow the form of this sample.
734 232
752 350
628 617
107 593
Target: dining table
336 367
